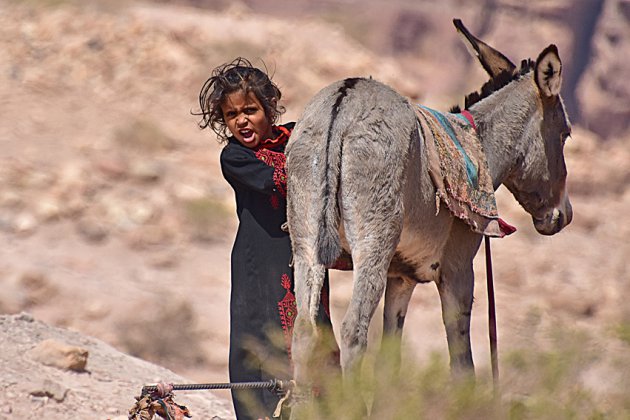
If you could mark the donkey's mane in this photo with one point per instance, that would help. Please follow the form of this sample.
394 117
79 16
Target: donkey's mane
494 84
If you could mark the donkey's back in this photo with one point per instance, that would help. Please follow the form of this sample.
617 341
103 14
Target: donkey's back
347 156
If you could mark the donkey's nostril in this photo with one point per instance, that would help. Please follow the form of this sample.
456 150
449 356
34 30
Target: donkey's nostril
568 213
556 216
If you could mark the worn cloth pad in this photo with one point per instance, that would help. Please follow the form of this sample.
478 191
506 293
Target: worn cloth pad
459 170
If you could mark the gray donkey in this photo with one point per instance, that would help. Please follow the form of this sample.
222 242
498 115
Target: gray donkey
359 182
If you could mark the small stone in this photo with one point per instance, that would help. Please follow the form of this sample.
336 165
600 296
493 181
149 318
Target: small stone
114 167
25 223
141 213
164 260
147 171
50 389
150 236
60 355
24 316
96 310
48 209
11 199
92 230
37 288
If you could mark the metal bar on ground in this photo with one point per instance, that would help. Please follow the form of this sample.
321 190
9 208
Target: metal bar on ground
272 385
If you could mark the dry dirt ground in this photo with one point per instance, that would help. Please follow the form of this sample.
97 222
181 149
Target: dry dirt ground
32 390
115 221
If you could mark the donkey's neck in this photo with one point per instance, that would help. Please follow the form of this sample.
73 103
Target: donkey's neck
503 120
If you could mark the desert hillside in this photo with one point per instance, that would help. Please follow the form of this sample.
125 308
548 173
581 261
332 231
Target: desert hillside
115 220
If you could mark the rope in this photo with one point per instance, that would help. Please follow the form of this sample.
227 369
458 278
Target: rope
492 318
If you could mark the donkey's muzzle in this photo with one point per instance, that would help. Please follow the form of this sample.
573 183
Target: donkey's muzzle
556 220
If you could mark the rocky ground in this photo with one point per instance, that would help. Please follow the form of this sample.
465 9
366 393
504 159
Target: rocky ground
116 223
53 373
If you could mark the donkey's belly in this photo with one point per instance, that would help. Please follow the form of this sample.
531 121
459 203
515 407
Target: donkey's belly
421 252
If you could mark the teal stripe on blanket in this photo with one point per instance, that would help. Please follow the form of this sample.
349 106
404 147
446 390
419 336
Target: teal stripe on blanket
471 169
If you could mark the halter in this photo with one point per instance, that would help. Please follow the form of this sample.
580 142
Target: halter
470 118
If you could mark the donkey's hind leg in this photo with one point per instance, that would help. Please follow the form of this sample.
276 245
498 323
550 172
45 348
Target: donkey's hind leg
397 295
309 279
371 259
369 285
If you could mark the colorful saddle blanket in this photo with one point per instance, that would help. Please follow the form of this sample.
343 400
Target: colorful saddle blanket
459 170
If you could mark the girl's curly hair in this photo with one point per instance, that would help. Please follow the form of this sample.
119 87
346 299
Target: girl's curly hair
232 77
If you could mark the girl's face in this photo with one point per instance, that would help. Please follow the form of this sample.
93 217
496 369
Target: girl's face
245 117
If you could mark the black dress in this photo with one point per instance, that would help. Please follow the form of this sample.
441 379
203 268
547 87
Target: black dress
262 304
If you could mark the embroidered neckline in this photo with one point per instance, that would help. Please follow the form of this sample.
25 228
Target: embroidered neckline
279 140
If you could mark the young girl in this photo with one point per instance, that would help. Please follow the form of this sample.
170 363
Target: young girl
241 104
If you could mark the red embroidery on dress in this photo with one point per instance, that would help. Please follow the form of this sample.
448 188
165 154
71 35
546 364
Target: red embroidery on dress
288 312
277 160
280 179
275 201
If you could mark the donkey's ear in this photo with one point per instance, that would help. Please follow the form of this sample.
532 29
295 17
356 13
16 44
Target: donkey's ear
548 71
493 62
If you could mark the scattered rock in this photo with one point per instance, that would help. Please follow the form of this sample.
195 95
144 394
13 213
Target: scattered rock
142 212
25 223
150 236
37 288
48 209
50 389
92 230
96 310
24 316
60 355
147 171
113 167
164 260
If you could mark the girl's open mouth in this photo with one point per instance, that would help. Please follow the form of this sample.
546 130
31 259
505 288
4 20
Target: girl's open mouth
248 135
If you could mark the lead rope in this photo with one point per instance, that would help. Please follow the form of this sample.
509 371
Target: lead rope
492 319
492 315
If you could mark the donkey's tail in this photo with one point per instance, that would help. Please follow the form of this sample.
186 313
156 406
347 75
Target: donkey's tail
328 240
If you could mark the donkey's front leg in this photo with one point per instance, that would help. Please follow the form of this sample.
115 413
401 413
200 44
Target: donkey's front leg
456 293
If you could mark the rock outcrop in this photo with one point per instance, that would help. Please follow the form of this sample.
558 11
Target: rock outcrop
105 389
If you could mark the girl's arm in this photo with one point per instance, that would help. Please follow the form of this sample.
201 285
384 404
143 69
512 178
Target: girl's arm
241 168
